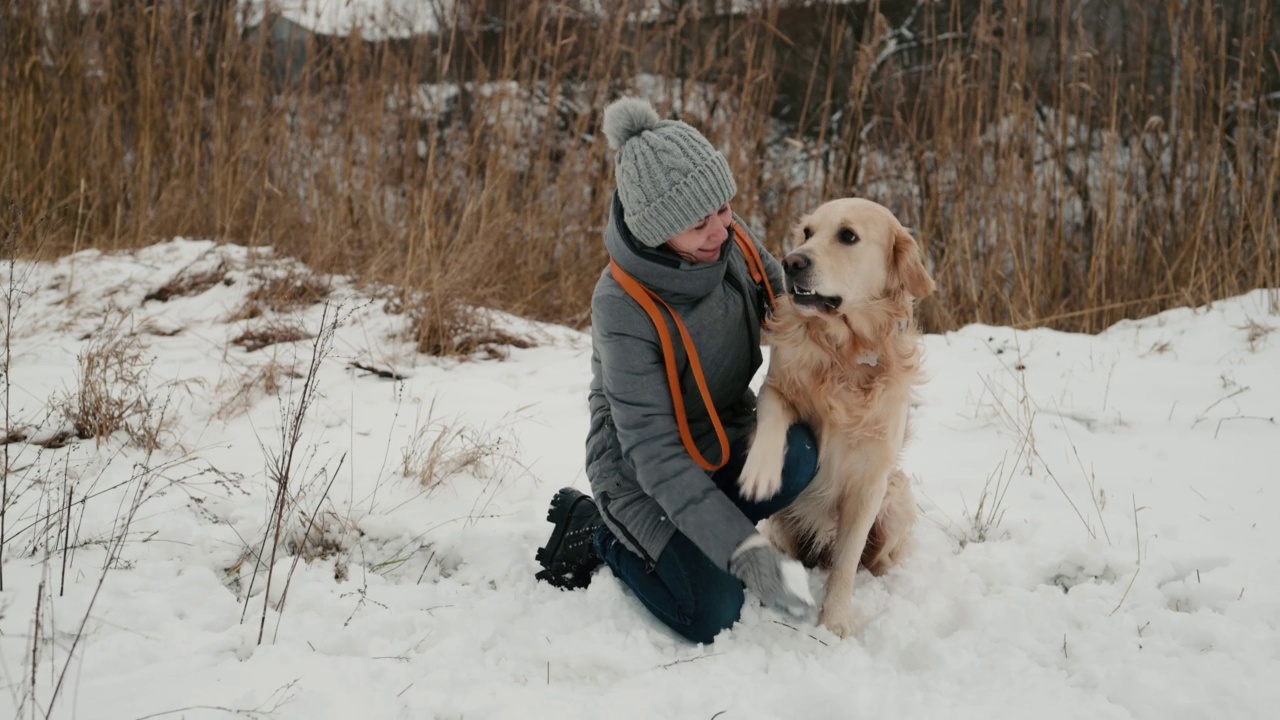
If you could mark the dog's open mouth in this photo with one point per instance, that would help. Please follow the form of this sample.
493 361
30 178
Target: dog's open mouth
807 297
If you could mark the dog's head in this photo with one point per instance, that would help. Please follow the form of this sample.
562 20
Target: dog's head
851 252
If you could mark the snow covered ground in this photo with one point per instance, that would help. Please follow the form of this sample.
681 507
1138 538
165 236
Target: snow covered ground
1099 533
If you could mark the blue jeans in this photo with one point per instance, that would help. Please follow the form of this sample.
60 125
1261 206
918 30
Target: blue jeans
684 589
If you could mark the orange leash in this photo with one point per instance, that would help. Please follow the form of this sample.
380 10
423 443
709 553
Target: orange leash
755 265
649 300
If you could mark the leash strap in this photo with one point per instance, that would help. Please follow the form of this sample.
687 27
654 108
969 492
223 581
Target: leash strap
649 301
755 266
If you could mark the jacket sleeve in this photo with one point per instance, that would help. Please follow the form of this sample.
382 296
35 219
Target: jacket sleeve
635 385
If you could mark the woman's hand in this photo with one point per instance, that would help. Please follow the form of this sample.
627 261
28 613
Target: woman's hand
779 581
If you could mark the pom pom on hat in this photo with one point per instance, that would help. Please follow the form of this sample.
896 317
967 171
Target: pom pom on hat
626 118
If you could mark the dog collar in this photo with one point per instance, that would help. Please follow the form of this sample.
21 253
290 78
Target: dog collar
873 359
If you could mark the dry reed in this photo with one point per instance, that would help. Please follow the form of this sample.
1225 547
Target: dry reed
1062 168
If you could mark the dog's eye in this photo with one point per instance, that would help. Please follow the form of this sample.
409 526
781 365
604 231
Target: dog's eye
807 231
847 236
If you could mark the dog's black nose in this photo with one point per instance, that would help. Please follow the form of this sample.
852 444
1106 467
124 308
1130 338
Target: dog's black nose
796 262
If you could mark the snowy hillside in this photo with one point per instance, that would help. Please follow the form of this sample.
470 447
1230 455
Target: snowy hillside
1099 533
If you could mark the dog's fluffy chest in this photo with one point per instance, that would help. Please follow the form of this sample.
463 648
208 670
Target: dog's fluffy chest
869 400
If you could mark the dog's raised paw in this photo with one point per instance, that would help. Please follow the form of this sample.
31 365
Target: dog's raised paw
761 476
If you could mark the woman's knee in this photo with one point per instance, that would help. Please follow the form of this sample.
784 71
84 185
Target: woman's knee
801 462
715 612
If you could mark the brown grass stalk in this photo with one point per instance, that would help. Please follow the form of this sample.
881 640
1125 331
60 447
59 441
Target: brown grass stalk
1065 165
282 462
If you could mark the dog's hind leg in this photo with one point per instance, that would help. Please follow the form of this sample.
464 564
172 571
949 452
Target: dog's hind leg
793 537
857 513
890 537
781 534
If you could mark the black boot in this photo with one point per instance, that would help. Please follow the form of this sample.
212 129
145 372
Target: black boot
570 553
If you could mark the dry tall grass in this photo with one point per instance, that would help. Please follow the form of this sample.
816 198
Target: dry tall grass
1061 168
112 392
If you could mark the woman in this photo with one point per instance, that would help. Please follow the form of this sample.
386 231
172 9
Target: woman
679 536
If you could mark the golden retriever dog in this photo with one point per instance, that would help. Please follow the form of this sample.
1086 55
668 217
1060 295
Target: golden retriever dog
845 357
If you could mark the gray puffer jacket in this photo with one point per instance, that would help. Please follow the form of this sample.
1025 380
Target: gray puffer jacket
644 481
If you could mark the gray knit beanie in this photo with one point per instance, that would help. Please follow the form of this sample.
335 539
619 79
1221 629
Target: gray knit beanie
669 176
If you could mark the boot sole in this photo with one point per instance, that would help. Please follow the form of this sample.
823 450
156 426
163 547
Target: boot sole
562 506
571 581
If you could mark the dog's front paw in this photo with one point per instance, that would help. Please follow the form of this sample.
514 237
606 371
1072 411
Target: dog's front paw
761 476
840 618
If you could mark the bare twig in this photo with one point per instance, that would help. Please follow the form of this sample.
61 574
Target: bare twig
66 541
1204 413
689 660
278 699
311 524
1218 428
811 636
1090 480
280 464
12 302
142 477
1137 539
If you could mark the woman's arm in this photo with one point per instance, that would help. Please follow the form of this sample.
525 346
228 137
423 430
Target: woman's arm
635 385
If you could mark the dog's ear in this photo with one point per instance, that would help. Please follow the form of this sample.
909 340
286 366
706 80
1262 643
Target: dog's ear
908 265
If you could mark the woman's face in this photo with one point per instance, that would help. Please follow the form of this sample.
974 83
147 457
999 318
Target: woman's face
702 242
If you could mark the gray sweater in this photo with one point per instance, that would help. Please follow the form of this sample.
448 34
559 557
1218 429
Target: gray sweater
643 479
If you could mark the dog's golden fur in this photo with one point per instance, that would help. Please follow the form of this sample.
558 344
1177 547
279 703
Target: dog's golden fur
848 372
